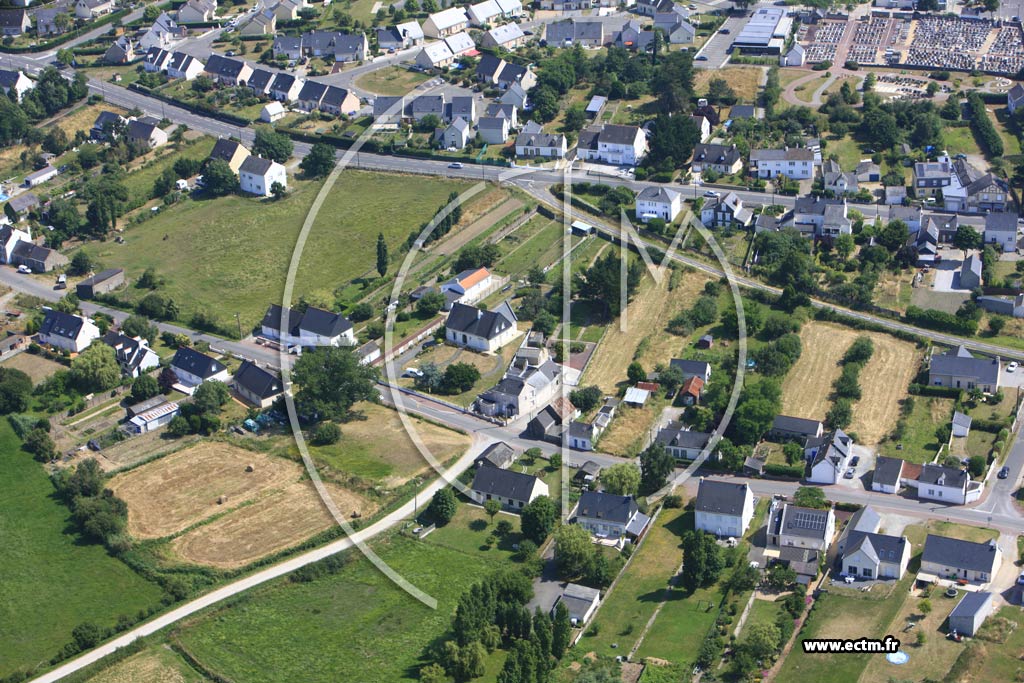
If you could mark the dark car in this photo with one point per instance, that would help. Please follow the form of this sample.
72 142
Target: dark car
1004 472
855 460
725 31
94 445
702 58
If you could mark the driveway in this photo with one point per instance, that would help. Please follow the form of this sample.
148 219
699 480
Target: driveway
947 277
547 587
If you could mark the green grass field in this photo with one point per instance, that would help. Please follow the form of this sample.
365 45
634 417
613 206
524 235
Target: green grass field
920 443
351 626
51 580
231 255
140 182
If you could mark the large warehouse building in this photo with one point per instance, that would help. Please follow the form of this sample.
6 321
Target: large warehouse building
765 33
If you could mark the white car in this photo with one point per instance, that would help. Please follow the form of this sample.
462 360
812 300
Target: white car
455 164
413 373
1012 366
713 194
24 270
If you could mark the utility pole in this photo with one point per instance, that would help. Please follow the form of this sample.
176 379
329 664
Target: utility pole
238 319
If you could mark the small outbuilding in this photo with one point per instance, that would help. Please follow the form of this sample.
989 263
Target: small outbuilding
580 601
154 418
103 282
971 612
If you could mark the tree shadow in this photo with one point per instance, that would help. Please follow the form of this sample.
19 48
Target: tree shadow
478 525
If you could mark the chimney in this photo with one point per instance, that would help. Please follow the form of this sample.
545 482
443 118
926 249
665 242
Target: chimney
479 313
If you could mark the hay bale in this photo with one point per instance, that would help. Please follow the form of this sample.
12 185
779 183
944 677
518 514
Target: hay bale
222 499
250 468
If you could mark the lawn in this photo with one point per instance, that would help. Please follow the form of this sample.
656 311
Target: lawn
355 625
920 442
959 140
846 148
1002 660
745 81
837 615
629 430
536 243
393 80
36 367
491 366
52 581
468 532
157 664
762 612
627 609
140 182
917 533
231 255
807 388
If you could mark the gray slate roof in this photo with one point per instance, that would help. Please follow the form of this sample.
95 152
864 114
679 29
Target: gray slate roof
952 552
478 322
197 363
257 380
887 471
959 362
721 497
504 483
606 506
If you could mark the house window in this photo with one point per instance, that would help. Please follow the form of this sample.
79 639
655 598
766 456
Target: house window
867 572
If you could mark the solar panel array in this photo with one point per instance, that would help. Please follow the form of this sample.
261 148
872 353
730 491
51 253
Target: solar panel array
808 520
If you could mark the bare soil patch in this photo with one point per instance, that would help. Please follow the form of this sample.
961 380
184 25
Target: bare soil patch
36 367
173 493
160 665
271 524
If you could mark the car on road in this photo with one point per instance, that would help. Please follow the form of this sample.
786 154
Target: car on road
854 461
1012 367
849 473
1004 472
24 270
712 194
455 164
702 58
725 31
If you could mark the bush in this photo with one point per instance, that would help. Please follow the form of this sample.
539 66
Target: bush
326 433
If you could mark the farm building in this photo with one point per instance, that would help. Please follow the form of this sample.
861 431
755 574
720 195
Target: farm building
154 418
103 282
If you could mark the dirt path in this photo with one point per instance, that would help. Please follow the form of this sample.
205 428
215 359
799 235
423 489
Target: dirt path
482 224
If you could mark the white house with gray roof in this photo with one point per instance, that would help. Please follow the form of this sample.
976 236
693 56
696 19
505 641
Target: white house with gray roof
827 457
612 144
946 485
532 141
796 163
794 526
480 330
681 442
456 135
1015 97
1001 230
958 369
658 202
73 333
257 175
953 559
606 515
514 490
870 555
723 508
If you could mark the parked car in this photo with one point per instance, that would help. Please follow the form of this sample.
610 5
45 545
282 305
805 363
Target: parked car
1012 366
25 270
712 194
848 579
1004 472
455 164
725 31
414 373
1020 579
702 58
849 473
854 461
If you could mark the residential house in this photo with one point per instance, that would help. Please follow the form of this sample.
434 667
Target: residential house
722 159
154 418
455 136
488 68
272 111
483 13
505 111
227 71
704 126
39 259
10 237
460 44
498 454
552 420
1015 97
796 163
650 8
192 368
163 33
339 101
958 369
146 132
103 282
606 515
350 47
428 105
463 107
1001 231
961 424
156 60
692 368
286 87
691 390
800 527
256 386
510 9
809 213
973 191
470 285
47 23
411 32
310 328
1001 305
803 561
681 442
231 151
972 610
197 12
133 354
827 456
612 144
579 601
14 22
888 474
389 38
582 435
912 216
658 202
289 47
286 10
946 485
480 330
445 23
493 130
632 36
953 559
837 181
727 211
184 66
533 142
311 95
970 272
262 24
507 36
575 32
121 51
789 428
16 81
835 221
514 490
864 520
521 392
72 333
435 56
723 508
90 9
931 177
257 176
869 555
676 26
22 205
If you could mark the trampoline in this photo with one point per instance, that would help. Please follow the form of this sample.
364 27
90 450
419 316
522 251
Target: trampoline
900 657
